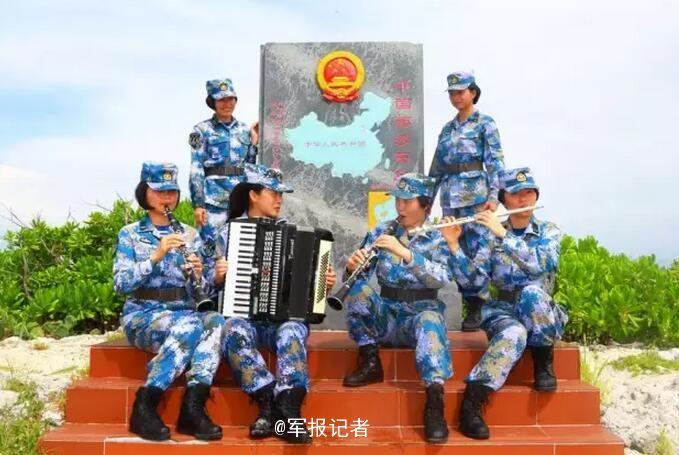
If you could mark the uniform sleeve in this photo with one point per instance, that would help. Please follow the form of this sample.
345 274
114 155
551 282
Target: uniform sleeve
431 265
493 157
435 169
128 273
540 259
473 273
197 174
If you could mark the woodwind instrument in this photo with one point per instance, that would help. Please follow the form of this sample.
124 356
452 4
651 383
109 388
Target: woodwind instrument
467 219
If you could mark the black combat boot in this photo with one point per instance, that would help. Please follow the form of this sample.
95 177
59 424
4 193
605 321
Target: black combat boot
368 369
288 408
471 413
145 420
193 419
543 373
435 426
263 424
472 319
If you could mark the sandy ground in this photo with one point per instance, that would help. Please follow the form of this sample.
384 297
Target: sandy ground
636 408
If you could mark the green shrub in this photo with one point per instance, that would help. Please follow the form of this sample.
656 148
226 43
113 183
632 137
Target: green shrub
57 281
615 298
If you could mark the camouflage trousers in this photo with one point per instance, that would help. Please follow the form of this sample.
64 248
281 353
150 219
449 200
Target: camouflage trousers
469 241
179 337
216 219
287 340
534 320
372 319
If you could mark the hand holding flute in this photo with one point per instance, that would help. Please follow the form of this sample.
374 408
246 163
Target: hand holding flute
472 219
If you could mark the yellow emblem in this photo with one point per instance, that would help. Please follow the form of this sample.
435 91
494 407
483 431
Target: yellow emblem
340 74
223 87
454 79
521 177
402 184
167 176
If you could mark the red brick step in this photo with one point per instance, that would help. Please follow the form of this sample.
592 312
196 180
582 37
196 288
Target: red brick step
386 404
83 439
332 355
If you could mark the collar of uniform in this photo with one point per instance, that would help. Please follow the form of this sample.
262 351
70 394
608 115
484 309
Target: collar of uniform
533 227
145 225
428 234
474 117
215 121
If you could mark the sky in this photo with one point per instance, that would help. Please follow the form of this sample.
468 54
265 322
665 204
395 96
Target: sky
583 92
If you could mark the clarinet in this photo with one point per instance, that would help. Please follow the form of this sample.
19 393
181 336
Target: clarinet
203 302
335 301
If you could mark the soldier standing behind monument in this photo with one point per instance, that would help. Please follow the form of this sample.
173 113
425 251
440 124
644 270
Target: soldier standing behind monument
219 148
466 163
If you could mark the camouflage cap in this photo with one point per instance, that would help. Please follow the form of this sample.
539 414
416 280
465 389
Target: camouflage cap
159 176
413 185
267 177
514 180
220 88
459 80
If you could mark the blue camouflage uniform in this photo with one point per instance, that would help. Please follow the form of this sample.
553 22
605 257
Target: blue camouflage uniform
476 140
178 335
243 337
213 145
523 263
373 319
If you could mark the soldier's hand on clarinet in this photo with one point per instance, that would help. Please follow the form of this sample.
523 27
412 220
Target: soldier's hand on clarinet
451 234
492 222
330 277
391 244
195 264
357 258
200 216
221 267
167 243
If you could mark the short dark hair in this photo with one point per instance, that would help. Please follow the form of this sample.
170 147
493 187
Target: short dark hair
239 199
140 196
210 102
477 89
501 195
425 203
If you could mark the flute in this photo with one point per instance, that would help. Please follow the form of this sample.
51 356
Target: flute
467 219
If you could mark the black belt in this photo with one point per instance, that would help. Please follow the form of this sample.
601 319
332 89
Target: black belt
408 295
224 171
457 168
164 295
507 295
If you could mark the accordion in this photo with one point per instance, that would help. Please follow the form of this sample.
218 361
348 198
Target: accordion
276 271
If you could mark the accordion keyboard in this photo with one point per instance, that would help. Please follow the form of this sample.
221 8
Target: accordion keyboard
238 282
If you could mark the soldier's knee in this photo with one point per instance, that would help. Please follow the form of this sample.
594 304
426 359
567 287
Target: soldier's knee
293 329
429 318
214 321
531 296
238 328
187 331
516 334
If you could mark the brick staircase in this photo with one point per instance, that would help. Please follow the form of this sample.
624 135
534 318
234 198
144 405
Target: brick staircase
522 421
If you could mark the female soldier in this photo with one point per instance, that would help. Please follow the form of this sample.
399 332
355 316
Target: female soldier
159 315
520 257
466 145
407 311
279 397
219 148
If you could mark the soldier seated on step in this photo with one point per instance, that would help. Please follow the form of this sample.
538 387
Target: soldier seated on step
159 314
279 397
407 311
520 258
